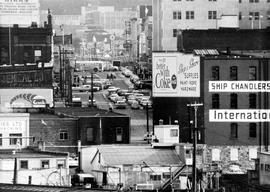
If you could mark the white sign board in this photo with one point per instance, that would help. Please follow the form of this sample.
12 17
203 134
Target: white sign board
21 12
176 75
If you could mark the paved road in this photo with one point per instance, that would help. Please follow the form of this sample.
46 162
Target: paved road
138 117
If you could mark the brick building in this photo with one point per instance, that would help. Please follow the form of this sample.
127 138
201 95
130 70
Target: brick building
220 68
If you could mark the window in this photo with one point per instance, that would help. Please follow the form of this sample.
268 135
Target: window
174 32
215 154
233 73
89 134
63 135
174 133
24 164
176 0
252 73
254 15
119 134
177 15
0 139
262 167
268 13
240 15
189 14
267 167
166 175
212 14
61 164
45 164
212 0
234 154
254 1
215 73
233 101
234 130
252 130
155 177
252 101
215 101
15 139
240 1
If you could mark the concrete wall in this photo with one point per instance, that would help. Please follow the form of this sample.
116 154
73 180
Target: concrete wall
164 22
40 176
163 9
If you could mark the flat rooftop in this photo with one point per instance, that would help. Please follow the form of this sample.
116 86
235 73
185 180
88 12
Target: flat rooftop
29 153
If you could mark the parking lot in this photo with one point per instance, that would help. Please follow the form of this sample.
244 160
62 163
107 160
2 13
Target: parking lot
138 116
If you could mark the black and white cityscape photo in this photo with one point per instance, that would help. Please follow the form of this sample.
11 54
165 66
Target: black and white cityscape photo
135 95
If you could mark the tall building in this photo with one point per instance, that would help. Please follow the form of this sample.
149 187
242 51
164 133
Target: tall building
26 67
172 15
219 66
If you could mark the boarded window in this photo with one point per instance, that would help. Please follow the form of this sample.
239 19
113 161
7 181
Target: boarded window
119 134
90 136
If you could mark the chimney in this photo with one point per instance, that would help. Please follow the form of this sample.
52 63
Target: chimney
41 145
180 43
49 19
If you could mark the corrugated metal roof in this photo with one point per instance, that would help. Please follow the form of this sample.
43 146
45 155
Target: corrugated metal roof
206 52
136 155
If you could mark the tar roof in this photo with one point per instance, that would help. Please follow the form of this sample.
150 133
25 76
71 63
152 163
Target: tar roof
87 112
36 188
29 153
137 155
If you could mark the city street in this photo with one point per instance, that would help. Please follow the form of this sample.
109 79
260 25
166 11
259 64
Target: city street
138 117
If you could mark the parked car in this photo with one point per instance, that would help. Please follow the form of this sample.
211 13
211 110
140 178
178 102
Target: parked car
135 105
147 103
143 99
121 92
112 96
120 105
113 89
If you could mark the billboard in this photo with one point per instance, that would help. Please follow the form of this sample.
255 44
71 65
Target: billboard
26 98
176 75
21 12
14 125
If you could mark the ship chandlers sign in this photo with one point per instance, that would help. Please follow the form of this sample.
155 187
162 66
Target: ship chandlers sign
176 75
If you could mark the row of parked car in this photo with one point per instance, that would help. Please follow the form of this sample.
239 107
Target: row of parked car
137 82
123 97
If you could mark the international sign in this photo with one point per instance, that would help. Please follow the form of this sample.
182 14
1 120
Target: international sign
176 75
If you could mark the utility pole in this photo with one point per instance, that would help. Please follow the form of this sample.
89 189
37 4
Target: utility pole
194 171
61 73
92 91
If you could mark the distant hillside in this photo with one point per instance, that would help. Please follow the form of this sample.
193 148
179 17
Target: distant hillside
62 7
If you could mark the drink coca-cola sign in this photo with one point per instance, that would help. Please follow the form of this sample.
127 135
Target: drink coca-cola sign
176 75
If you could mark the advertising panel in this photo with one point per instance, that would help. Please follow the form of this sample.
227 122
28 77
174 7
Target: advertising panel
26 98
14 130
21 12
176 75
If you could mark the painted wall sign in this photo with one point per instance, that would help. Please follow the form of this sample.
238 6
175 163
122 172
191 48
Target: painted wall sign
176 75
